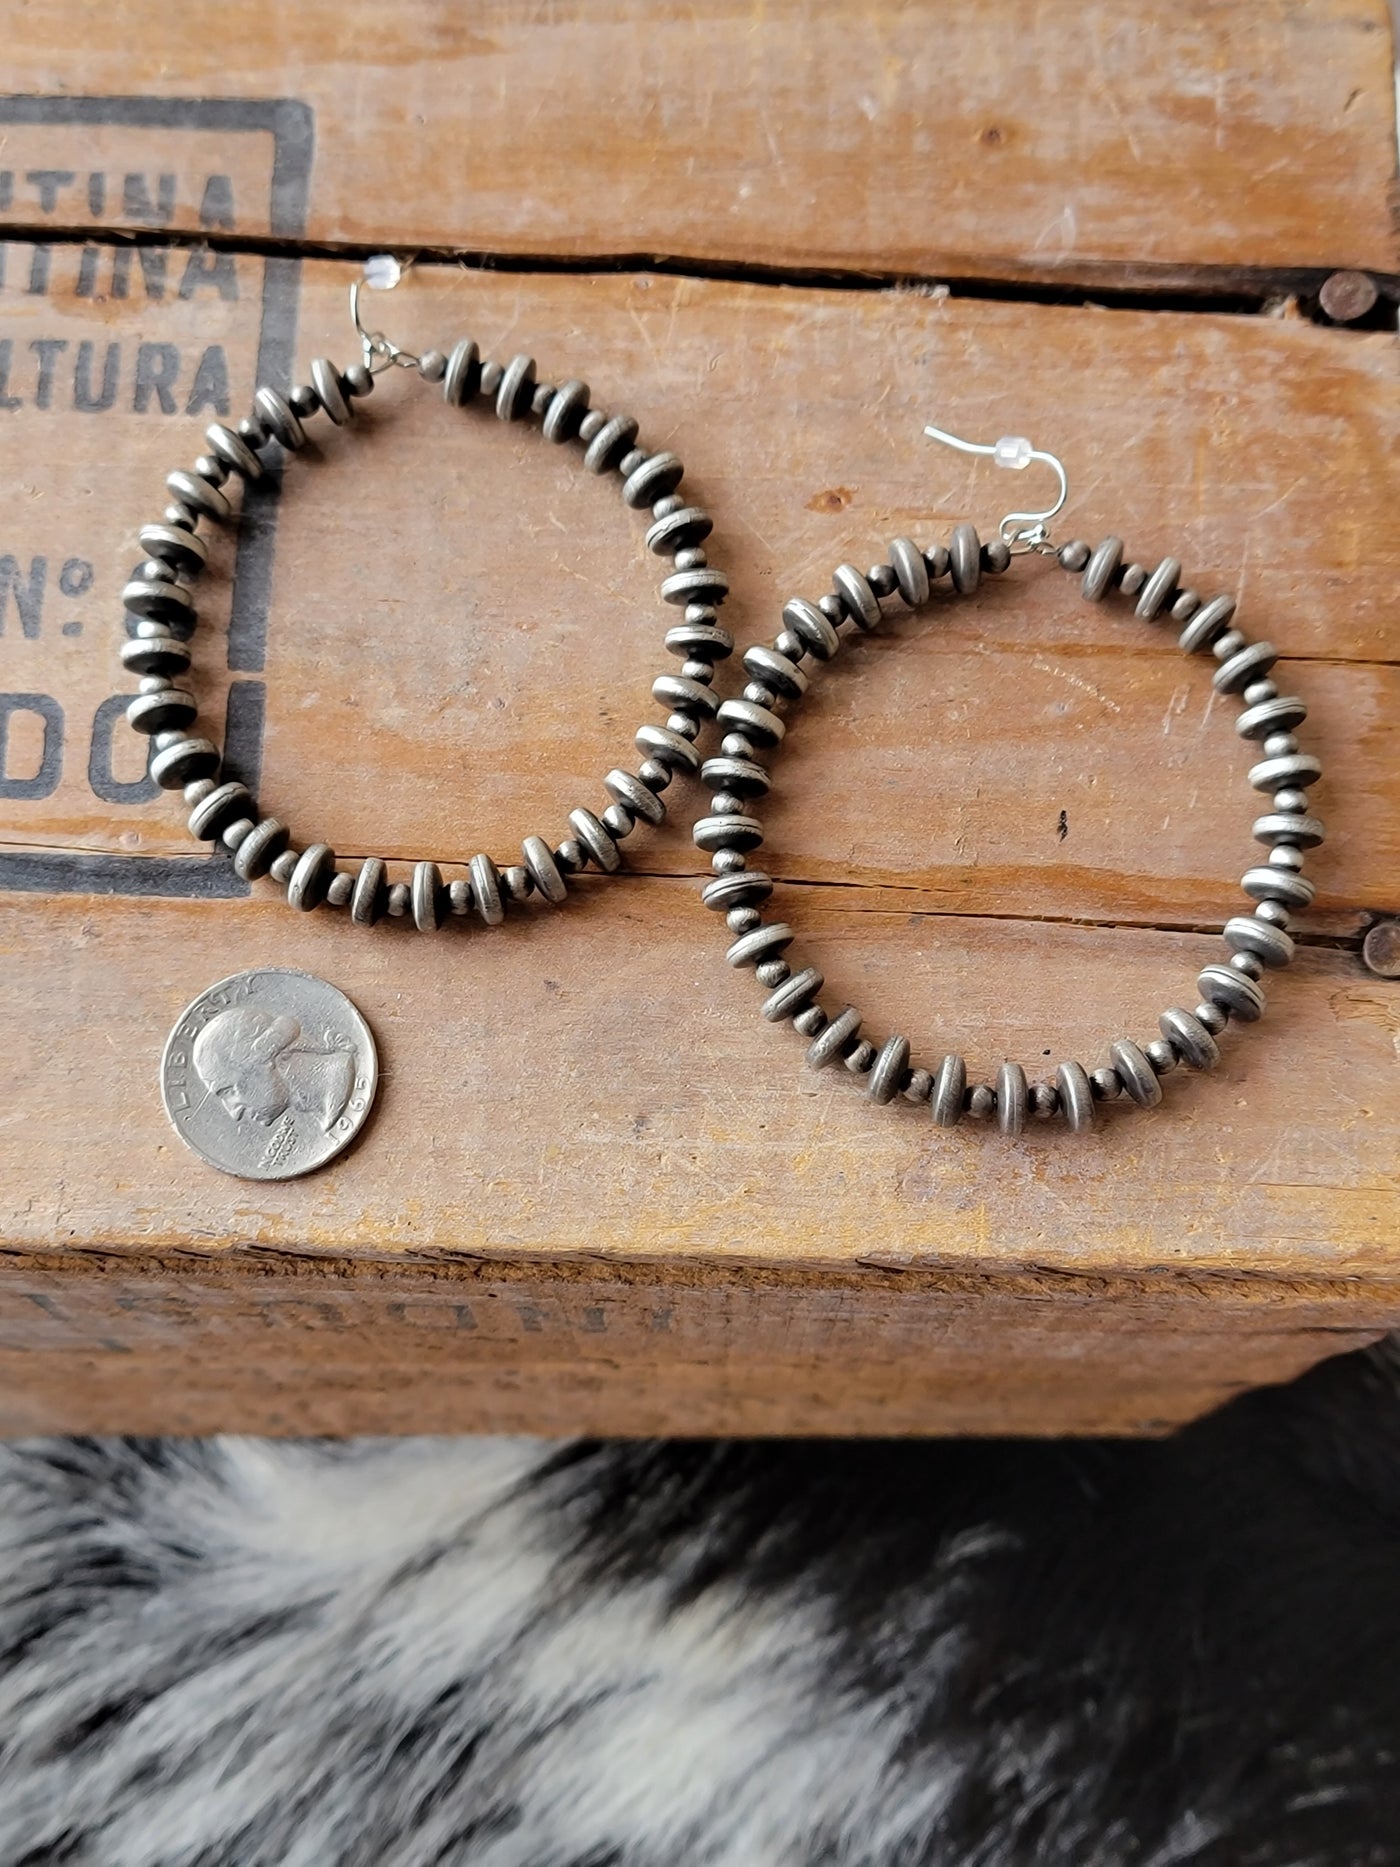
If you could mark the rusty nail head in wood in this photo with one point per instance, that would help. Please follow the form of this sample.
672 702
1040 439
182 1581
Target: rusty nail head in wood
1347 296
1381 949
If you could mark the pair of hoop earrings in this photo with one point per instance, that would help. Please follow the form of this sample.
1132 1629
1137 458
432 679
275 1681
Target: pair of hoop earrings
161 618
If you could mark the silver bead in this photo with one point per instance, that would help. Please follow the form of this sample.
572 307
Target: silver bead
1136 1073
653 479
1289 800
338 893
459 892
260 848
981 1102
1278 714
193 490
1274 912
515 389
1210 621
699 639
400 900
161 655
1099 572
744 889
370 895
234 834
173 766
426 891
860 1057
1258 692
618 821
279 418
910 571
325 378
185 553
1246 933
1244 666
662 746
310 876
462 378
743 920
919 1087
1131 580
831 1045
432 366
949 1091
681 529
1012 1092
233 451
1268 883
485 881
811 1022
1044 1101
743 777
1285 856
757 724
282 868
1212 1018
595 839
168 709
1184 608
170 603
806 620
608 442
1297 828
712 833
792 995
544 870
889 1069
762 943
776 672
1189 1038
221 805
679 692
1160 1055
1159 586
771 972
965 558
1105 1084
1294 769
861 602
1241 997
623 788
517 883
882 580
210 467
1246 963
1076 1096
728 861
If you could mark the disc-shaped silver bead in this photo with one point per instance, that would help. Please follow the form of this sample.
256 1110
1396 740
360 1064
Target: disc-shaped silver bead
1279 715
1189 1038
1223 986
1136 1073
1291 770
743 887
174 766
669 748
1244 666
792 995
183 551
949 1092
1287 826
369 896
756 723
965 558
888 1071
310 877
751 949
163 655
911 572
1245 933
260 848
516 388
776 671
1012 1094
1099 571
212 815
325 378
426 893
539 860
193 490
233 450
1271 883
1160 586
1210 621
1076 1096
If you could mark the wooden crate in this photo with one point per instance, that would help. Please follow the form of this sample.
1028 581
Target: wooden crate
598 1194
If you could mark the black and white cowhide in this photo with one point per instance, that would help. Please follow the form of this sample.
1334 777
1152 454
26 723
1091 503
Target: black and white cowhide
511 1654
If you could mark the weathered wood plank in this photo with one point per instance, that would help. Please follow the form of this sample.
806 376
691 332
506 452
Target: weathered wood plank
598 1083
1011 140
275 1347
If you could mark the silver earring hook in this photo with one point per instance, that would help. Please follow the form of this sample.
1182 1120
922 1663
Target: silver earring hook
382 273
1021 531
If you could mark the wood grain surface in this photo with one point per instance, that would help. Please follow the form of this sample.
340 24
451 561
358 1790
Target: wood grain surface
1195 145
1010 826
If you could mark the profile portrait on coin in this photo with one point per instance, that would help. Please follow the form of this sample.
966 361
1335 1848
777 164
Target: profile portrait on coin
261 1064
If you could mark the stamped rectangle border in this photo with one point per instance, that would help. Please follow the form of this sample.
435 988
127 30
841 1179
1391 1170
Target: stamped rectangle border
290 124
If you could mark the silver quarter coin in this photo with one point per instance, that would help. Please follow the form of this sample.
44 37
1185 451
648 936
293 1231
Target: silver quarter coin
269 1074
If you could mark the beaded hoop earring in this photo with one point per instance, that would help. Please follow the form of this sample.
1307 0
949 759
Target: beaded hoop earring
161 618
813 632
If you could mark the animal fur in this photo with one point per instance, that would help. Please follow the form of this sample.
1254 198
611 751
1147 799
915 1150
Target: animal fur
511 1654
